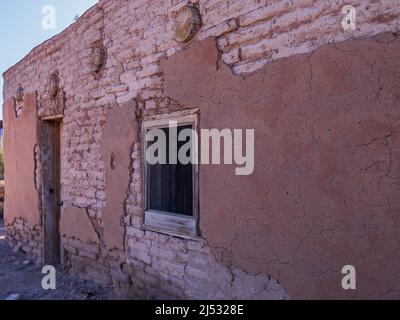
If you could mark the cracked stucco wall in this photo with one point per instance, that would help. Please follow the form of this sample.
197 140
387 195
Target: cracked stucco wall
22 172
325 190
249 35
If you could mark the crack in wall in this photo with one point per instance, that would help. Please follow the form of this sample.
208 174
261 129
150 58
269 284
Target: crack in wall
316 131
97 227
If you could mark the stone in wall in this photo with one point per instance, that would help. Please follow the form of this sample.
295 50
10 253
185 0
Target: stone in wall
38 168
52 102
164 267
21 237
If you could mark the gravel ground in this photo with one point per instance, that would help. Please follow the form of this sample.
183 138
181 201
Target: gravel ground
23 278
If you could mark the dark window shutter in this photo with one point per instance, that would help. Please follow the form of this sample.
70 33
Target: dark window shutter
170 186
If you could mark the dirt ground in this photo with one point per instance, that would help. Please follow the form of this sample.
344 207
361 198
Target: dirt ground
23 278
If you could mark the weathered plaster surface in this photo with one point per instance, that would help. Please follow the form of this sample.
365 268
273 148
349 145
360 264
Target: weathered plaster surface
76 223
120 132
22 172
21 196
324 193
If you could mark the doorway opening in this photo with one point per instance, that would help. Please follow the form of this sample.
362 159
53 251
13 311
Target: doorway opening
51 202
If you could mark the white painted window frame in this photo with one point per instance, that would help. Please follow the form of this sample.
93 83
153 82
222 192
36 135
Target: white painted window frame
167 222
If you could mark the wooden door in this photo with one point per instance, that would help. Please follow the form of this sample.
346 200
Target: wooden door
51 191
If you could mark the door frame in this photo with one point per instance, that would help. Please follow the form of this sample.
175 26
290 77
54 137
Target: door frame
44 122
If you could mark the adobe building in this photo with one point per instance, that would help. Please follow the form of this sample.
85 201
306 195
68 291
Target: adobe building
323 99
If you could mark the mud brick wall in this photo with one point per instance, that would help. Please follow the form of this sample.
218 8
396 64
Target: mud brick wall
23 238
256 253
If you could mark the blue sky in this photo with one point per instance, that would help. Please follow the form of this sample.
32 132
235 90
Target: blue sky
21 27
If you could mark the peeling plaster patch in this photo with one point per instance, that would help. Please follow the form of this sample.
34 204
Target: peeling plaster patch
325 188
21 196
120 132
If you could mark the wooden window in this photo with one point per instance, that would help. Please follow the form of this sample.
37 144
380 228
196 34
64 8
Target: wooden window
171 192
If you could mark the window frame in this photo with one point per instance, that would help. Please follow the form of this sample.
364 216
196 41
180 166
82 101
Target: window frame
167 222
